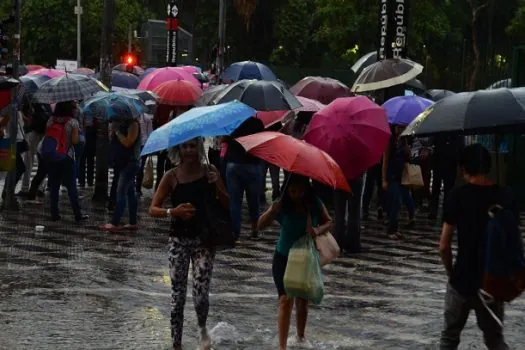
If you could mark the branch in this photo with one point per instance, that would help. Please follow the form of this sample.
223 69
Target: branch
476 9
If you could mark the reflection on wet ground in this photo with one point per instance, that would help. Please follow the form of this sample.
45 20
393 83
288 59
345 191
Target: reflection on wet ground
74 287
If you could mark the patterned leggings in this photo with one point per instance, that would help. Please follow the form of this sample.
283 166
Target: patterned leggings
181 252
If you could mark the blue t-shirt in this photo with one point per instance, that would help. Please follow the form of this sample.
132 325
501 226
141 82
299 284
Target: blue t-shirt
293 226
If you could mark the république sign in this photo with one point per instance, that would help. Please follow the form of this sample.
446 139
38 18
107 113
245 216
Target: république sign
393 20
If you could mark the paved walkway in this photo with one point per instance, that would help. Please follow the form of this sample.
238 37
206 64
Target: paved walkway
75 287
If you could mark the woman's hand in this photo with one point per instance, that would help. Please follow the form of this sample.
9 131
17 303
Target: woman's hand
213 177
185 211
276 207
385 185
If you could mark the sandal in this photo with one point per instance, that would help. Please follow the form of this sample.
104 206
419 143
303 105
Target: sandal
131 228
110 228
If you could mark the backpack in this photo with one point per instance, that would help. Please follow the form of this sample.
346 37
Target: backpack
41 115
55 144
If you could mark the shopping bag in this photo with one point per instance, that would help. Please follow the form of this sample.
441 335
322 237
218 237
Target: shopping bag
303 277
412 176
327 247
7 155
147 180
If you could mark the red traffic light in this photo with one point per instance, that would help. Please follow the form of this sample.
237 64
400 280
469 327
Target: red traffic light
130 60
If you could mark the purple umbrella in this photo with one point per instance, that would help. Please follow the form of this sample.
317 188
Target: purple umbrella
402 110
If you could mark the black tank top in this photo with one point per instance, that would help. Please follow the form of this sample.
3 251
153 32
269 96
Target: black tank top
197 193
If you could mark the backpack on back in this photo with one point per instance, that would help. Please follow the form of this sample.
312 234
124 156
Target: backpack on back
504 263
55 144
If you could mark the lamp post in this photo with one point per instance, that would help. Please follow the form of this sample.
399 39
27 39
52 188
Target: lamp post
79 12
172 26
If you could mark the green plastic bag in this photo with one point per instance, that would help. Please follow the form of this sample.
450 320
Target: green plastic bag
303 277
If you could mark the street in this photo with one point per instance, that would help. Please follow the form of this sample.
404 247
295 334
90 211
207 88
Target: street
74 287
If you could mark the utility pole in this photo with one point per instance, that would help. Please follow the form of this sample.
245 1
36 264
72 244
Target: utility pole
222 37
129 37
11 202
172 48
79 12
106 48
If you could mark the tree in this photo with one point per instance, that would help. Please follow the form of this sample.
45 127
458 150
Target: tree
475 7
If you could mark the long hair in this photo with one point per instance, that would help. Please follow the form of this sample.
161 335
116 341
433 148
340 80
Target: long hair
174 152
310 196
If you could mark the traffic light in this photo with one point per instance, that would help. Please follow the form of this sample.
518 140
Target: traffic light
130 60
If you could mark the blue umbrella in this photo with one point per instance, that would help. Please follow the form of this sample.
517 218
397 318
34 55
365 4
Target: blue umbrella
402 110
248 70
209 121
33 82
124 80
112 106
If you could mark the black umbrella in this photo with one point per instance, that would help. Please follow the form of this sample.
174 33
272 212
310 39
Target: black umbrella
438 94
386 73
210 94
33 82
479 112
416 84
8 83
260 95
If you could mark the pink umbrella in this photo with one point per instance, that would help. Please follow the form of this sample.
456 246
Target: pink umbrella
354 131
190 69
309 105
52 73
32 67
162 75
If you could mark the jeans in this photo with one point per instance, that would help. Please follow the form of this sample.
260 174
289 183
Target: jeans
40 176
398 194
87 161
274 175
64 172
241 178
373 180
140 172
457 310
79 151
348 235
126 192
163 165
20 170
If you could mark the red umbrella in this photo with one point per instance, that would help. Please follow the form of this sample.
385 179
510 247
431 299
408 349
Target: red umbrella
162 75
178 93
295 156
354 131
324 90
272 117
309 105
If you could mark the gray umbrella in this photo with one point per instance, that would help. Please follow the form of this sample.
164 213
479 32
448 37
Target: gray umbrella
260 95
438 94
210 94
479 112
386 73
70 87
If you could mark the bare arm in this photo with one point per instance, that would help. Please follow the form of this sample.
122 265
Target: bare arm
166 186
269 216
326 221
129 140
445 247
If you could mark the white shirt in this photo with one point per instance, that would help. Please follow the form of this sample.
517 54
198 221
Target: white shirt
20 135
146 127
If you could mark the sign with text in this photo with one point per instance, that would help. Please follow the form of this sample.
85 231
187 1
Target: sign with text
66 65
393 23
172 36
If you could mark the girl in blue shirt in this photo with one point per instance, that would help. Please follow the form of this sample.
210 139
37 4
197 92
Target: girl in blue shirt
291 212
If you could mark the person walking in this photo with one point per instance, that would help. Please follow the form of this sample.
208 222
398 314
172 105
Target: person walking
466 211
291 213
189 186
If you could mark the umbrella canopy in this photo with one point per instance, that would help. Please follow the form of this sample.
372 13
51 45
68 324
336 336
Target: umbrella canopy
123 68
124 80
248 70
273 117
365 61
309 105
354 131
501 84
22 69
112 106
479 112
436 95
32 67
324 90
71 87
402 110
178 93
416 84
386 73
191 69
206 121
33 82
52 73
260 95
210 94
162 75
201 77
85 71
146 96
7 83
295 156
147 72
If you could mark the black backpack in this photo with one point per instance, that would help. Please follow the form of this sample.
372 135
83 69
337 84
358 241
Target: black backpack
41 115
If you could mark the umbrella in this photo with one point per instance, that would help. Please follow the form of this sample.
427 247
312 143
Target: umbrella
309 105
206 121
416 84
147 72
324 90
71 87
124 80
52 73
7 83
162 75
33 82
145 96
386 73
248 70
124 68
111 106
402 110
436 95
295 156
22 70
260 95
85 71
365 61
178 93
191 69
32 67
479 112
500 84
210 94
273 117
353 130
201 77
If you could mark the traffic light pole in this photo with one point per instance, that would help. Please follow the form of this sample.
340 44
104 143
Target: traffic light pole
10 202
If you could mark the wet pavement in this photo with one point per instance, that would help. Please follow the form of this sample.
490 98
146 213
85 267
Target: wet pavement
74 287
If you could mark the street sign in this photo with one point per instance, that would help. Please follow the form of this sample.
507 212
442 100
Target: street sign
172 35
79 10
66 65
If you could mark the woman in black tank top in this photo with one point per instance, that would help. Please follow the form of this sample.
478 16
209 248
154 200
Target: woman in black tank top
189 186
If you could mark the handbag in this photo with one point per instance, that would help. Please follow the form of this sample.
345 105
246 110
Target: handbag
147 180
412 176
326 245
7 155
